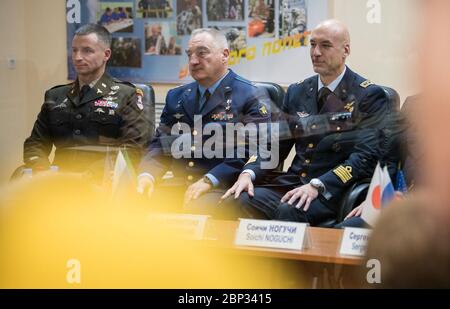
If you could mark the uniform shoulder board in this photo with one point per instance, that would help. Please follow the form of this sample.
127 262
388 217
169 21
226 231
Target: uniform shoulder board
366 83
124 82
179 86
59 86
299 82
244 80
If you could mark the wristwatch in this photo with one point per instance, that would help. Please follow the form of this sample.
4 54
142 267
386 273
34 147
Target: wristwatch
208 181
318 184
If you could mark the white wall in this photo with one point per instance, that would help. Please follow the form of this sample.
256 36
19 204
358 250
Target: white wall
384 52
33 33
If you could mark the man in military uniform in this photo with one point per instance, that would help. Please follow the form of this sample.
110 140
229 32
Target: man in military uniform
95 110
219 97
334 119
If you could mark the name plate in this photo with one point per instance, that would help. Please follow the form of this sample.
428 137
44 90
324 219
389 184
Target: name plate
354 241
189 226
272 234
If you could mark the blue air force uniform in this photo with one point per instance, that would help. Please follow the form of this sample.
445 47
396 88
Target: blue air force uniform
337 143
233 100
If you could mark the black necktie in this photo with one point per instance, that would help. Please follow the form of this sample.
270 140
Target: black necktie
83 91
206 95
322 97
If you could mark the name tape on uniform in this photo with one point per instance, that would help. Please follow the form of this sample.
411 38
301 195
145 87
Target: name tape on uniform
189 226
354 241
272 234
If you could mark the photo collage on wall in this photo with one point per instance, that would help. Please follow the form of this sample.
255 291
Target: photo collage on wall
144 30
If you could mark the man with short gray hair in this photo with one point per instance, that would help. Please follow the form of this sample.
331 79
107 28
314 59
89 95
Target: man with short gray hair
218 96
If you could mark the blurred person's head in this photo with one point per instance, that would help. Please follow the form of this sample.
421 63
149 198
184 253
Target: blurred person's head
330 46
91 50
412 245
412 242
208 56
433 114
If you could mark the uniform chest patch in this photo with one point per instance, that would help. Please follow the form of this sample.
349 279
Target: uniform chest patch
222 116
106 103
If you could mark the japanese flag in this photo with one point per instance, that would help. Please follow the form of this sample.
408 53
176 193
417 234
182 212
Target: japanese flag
381 193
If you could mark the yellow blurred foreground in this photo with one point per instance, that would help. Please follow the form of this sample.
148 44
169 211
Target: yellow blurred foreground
58 231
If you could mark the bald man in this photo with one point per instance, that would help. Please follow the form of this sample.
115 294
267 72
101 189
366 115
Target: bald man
333 121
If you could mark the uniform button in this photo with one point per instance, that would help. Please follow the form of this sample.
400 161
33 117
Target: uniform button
307 161
194 132
193 148
313 126
190 177
338 129
77 132
303 174
311 145
191 164
79 116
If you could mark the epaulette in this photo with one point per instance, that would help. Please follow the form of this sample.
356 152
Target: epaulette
237 77
298 83
366 83
58 86
123 82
